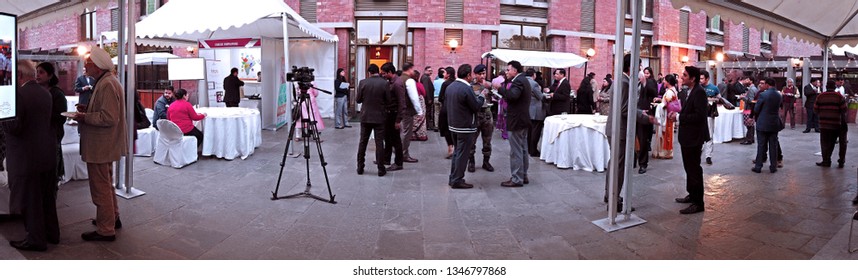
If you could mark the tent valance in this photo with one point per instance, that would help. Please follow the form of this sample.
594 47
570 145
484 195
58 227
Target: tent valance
156 58
197 19
536 58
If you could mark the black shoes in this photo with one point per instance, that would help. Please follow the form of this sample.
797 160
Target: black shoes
693 208
686 199
642 170
756 170
488 166
382 172
816 130
338 127
471 167
824 164
806 131
462 185
394 167
773 170
94 236
410 160
747 142
511 184
116 225
348 126
840 164
709 160
526 181
25 245
360 168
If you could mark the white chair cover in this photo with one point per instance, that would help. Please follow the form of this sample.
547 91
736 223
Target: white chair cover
149 114
146 140
74 166
173 148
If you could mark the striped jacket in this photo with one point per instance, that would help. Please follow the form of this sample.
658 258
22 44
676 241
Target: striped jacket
831 108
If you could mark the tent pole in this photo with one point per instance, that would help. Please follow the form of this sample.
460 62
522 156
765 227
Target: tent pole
825 58
130 101
286 68
633 101
120 71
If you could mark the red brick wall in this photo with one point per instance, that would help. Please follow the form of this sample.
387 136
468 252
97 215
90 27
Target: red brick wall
334 11
606 13
420 56
564 15
426 11
343 49
666 24
294 4
732 36
754 41
697 29
478 11
437 55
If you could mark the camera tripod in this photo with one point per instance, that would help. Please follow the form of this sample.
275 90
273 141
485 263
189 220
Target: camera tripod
309 132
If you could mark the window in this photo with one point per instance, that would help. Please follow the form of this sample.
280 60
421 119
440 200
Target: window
455 11
386 32
714 23
308 10
683 26
450 34
409 46
521 37
745 37
646 9
766 36
494 40
114 19
87 25
149 6
588 16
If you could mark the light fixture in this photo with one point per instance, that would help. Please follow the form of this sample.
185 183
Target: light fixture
190 49
377 54
591 52
796 62
719 57
684 59
82 50
453 45
711 63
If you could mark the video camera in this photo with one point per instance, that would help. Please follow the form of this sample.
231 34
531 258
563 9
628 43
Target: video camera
304 76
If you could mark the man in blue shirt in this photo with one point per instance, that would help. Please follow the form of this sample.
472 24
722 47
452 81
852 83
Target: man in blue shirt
713 95
161 106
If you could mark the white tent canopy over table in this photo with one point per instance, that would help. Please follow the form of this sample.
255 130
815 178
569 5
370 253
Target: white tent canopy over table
269 20
537 58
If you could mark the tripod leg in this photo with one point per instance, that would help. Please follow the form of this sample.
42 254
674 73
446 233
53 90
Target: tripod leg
317 137
283 161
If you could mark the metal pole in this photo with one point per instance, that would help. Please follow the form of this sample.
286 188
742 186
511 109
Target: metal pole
121 76
825 64
286 68
613 169
130 99
633 101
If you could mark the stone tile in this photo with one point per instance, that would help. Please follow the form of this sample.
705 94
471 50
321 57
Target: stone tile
445 231
450 251
400 244
497 244
550 248
776 253
192 242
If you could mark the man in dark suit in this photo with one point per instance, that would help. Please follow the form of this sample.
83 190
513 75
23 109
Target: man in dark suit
232 88
693 132
768 124
32 152
392 138
811 91
639 116
648 92
561 93
462 105
83 87
516 92
374 94
426 80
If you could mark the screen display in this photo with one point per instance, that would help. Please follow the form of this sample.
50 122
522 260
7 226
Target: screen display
179 69
7 65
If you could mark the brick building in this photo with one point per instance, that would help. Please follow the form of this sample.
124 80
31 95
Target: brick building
420 30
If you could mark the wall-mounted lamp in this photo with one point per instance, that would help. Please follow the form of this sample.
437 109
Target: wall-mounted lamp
453 45
591 53
82 50
797 62
719 57
684 59
190 49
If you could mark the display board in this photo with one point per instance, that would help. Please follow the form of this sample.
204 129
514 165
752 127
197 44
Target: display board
183 69
8 67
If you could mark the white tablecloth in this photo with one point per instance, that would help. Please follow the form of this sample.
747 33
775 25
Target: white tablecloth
576 141
71 101
230 132
728 125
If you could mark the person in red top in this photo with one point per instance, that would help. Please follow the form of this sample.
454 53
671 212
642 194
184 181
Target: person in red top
182 113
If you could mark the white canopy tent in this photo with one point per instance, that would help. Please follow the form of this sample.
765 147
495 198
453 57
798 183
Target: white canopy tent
536 58
270 20
18 7
156 58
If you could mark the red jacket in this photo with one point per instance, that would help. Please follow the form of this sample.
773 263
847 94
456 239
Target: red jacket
183 114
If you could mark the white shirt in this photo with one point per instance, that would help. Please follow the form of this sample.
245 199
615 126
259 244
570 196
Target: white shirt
841 90
411 88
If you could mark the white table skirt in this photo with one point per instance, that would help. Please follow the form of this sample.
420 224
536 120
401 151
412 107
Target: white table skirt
728 125
71 101
576 141
230 132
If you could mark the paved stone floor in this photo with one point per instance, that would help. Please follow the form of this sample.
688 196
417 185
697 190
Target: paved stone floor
219 209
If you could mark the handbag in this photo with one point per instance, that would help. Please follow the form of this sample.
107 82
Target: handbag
140 119
727 104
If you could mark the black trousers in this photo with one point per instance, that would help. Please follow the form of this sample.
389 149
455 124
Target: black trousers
40 207
812 118
464 141
231 104
693 173
767 142
533 136
430 111
197 134
622 167
645 137
392 141
827 139
365 130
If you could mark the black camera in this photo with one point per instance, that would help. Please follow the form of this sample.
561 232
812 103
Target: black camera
301 75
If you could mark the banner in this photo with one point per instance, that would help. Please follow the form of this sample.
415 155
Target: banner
282 101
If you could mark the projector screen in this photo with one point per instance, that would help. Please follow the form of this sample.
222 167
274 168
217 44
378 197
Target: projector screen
186 69
8 75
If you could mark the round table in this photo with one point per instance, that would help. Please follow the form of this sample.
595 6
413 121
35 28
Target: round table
71 101
576 141
230 132
728 125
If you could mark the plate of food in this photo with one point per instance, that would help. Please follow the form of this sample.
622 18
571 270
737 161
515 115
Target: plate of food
69 114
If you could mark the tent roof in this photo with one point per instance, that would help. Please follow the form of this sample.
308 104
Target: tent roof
812 21
156 58
536 58
222 19
18 7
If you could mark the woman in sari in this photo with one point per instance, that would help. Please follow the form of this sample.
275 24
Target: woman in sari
665 114
420 125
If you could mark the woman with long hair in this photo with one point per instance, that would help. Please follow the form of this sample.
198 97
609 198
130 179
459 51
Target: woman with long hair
420 125
341 101
46 76
665 115
585 97
604 98
443 125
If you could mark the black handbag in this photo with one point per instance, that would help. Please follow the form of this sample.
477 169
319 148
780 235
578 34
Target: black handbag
140 119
